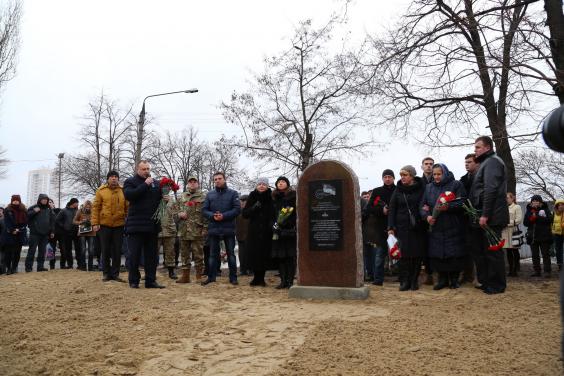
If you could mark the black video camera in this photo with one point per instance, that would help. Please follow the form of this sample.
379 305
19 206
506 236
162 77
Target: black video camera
553 130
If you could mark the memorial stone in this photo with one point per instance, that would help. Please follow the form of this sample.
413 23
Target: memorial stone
330 261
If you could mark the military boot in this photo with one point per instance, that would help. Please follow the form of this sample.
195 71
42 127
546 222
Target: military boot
185 277
199 274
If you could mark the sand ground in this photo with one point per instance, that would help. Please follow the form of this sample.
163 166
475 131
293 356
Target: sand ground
67 322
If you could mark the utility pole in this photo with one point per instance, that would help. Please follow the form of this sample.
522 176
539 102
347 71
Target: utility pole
60 156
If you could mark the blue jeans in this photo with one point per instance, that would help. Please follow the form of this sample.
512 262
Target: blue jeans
368 253
214 256
558 240
380 254
36 243
87 250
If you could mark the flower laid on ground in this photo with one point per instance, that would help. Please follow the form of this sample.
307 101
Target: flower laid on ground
494 241
166 185
284 214
444 199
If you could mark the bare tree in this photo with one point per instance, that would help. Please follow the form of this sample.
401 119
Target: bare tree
3 163
555 22
463 63
540 170
103 142
220 156
10 16
306 104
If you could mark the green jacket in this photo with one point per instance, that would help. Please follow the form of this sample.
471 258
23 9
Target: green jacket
168 224
195 227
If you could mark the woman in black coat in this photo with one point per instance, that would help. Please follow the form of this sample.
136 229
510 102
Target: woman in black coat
260 212
446 237
404 221
14 235
538 220
284 240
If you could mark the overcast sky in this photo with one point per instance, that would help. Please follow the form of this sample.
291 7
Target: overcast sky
72 50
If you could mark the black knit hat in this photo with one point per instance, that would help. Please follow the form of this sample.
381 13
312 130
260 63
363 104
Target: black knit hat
282 178
388 172
112 173
536 198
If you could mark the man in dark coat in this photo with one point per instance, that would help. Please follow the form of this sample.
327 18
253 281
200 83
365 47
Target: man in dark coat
471 167
375 223
221 208
2 229
144 195
241 231
65 221
426 178
488 195
41 223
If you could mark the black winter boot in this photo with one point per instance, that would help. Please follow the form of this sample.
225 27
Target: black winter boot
282 270
443 281
171 273
453 276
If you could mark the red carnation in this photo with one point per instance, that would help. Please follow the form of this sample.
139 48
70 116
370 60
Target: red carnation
376 200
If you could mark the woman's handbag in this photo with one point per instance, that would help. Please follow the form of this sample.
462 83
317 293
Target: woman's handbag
412 219
518 238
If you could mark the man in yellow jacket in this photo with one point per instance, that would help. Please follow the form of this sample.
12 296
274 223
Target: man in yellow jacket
108 219
558 231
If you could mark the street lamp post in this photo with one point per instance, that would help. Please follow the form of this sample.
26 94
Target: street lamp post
60 156
141 121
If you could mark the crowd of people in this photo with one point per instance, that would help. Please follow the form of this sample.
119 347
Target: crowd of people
201 229
442 237
195 227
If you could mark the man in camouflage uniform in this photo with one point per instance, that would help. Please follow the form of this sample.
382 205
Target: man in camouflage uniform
192 229
167 236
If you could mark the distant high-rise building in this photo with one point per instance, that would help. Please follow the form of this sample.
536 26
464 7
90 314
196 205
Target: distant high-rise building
43 180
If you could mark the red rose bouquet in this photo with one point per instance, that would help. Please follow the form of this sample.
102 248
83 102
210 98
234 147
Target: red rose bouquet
166 185
442 201
495 243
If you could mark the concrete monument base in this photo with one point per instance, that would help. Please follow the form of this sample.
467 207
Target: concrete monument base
329 293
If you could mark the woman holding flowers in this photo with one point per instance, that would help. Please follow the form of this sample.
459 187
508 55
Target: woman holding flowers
260 211
442 210
538 220
284 231
404 222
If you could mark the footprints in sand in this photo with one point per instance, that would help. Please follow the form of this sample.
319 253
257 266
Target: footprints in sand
255 345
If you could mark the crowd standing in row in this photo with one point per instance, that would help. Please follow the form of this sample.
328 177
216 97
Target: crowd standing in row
122 220
443 237
437 237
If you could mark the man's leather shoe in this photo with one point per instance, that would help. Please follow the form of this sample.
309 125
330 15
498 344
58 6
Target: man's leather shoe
118 279
154 285
207 282
41 269
234 283
106 278
134 285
